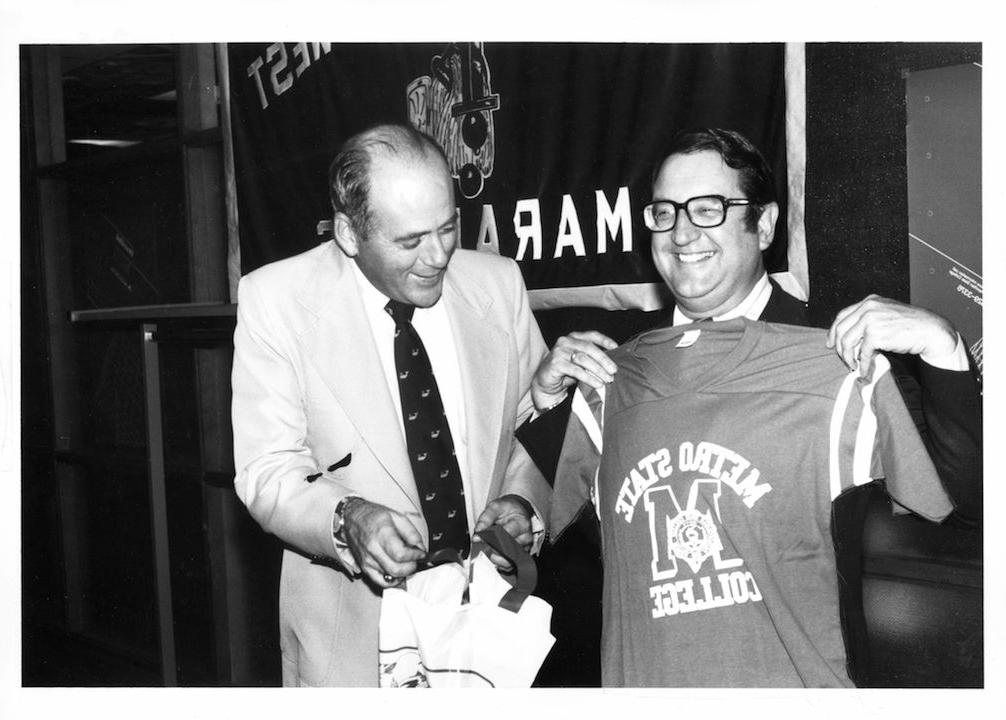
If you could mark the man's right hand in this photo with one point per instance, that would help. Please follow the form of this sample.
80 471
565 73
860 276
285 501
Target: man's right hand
577 357
384 542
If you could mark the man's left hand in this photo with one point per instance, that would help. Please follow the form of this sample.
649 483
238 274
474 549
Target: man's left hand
876 323
513 517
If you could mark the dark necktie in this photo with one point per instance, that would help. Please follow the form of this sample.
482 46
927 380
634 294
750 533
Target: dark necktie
428 437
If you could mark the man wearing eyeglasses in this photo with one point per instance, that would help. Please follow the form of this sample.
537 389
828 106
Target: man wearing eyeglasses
712 215
710 256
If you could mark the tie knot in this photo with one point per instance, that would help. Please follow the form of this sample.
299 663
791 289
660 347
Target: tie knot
400 312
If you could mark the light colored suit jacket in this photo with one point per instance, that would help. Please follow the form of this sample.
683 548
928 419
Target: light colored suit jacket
308 390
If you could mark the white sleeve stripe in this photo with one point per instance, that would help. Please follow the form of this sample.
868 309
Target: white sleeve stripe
881 366
583 413
834 447
595 491
866 432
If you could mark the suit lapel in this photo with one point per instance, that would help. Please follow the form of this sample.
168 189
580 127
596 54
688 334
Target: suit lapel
482 349
784 308
341 347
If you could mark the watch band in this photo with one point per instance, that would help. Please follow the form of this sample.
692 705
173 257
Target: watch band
339 519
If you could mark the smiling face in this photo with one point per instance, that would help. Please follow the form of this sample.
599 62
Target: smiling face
709 270
413 229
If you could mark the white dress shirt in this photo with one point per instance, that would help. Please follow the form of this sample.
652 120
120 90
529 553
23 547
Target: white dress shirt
750 307
434 329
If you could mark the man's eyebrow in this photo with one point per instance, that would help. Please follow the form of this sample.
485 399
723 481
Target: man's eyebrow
452 220
408 238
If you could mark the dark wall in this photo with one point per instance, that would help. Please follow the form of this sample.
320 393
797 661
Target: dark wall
857 202
922 582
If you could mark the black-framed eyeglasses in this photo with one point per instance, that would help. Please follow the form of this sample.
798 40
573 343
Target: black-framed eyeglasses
704 211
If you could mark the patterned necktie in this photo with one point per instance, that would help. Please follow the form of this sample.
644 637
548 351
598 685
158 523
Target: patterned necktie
428 437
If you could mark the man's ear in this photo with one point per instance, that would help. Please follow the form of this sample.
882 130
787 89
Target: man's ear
766 225
345 236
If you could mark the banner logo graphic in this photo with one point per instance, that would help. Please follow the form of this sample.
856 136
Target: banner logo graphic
454 105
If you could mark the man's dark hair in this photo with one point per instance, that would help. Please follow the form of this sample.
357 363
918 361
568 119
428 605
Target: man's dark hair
739 153
349 173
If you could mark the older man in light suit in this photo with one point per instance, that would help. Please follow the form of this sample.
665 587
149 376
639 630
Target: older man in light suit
323 457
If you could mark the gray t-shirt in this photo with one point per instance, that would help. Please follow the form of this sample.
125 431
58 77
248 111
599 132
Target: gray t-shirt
724 445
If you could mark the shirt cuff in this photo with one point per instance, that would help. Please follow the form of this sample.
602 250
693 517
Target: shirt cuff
537 524
537 531
955 360
536 413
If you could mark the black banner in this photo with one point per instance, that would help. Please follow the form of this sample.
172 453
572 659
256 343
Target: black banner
552 145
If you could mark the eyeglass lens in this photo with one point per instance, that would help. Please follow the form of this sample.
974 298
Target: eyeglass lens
702 212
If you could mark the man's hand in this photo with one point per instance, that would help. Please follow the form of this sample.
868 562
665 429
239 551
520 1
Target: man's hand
579 356
876 323
512 515
384 542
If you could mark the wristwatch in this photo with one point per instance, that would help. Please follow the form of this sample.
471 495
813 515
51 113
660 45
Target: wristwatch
339 519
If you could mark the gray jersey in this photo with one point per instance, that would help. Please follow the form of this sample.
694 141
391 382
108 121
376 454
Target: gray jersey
724 445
